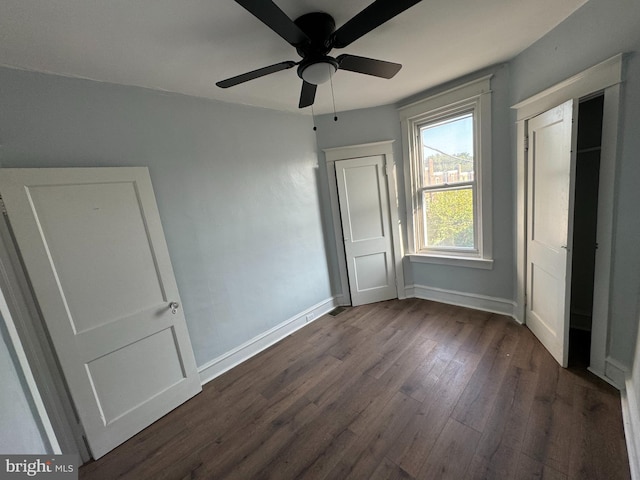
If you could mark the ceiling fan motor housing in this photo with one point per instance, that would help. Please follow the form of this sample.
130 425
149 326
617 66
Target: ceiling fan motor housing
319 27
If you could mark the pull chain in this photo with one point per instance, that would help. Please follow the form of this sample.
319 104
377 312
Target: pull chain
313 117
335 117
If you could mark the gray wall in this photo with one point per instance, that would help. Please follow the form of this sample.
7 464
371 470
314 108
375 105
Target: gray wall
236 186
597 31
20 429
382 123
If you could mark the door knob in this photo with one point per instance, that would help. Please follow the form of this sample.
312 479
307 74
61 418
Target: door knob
174 307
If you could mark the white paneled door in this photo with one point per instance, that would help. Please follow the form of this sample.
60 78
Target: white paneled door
549 225
94 250
364 212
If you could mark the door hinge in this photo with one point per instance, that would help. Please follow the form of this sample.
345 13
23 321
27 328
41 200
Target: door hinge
526 142
3 208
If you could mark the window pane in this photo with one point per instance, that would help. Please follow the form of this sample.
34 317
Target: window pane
447 151
448 218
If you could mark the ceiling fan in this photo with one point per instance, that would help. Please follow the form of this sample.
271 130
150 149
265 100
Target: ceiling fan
313 35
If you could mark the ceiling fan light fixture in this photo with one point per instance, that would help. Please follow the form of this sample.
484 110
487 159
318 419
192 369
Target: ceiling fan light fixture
319 72
314 36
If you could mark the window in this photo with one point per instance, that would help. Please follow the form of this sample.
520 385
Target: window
447 176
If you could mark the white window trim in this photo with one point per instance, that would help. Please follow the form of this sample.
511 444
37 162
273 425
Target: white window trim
477 94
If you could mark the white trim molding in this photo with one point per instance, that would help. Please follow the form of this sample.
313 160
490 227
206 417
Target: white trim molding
469 262
474 96
631 412
631 421
605 77
475 301
50 440
614 372
604 74
35 354
384 148
250 348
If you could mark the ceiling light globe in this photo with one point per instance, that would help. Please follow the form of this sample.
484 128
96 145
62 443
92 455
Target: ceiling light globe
318 73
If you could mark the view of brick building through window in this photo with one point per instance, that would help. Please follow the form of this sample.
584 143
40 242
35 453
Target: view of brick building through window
448 183
433 176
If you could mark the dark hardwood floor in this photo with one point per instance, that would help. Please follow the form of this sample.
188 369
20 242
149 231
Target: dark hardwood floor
406 389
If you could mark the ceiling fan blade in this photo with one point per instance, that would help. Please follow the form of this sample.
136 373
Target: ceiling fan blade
270 14
307 95
261 72
371 17
369 66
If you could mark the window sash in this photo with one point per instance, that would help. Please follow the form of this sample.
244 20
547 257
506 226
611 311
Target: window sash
448 186
421 220
422 227
437 120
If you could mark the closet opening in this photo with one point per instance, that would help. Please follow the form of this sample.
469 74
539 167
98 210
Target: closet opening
584 245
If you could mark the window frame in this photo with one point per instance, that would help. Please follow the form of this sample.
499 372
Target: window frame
472 97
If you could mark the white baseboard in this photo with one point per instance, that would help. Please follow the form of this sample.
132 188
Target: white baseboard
615 373
463 299
342 300
227 361
631 420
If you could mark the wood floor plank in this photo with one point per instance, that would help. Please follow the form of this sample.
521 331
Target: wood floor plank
403 389
391 351
484 330
304 453
244 375
310 456
479 396
379 317
293 372
392 381
597 419
548 434
362 458
138 453
427 374
529 355
332 387
506 425
452 453
242 453
503 463
530 468
414 444
387 470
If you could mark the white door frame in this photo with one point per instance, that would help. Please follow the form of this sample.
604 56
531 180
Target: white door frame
385 149
604 77
45 380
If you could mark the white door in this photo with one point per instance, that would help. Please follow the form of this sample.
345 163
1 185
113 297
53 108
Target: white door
95 253
364 211
549 212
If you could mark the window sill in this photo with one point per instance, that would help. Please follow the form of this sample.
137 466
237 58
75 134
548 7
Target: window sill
468 262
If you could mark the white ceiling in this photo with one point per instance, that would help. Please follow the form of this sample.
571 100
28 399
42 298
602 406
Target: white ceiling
185 46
